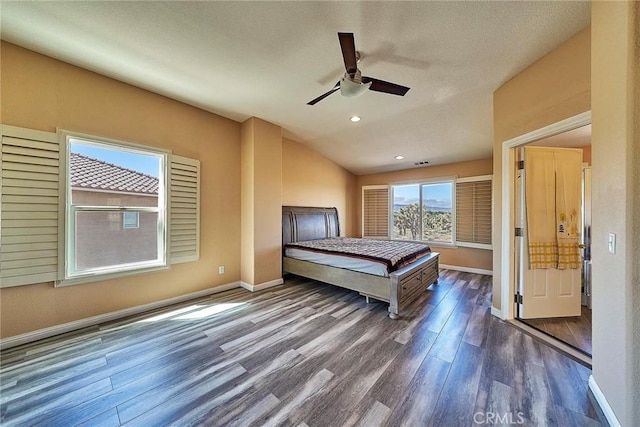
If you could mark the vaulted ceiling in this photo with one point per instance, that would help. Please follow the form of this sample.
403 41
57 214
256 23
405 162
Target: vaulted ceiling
268 59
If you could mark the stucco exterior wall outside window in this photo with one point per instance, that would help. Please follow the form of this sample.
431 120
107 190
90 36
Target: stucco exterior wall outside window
102 238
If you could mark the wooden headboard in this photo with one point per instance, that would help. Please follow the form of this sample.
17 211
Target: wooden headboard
306 223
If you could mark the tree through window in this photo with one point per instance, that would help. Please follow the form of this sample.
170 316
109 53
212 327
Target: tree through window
423 212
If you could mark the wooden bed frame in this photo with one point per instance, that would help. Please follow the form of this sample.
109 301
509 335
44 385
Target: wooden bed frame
400 289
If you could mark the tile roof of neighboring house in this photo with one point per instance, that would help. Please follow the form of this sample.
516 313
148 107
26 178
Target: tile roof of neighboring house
93 174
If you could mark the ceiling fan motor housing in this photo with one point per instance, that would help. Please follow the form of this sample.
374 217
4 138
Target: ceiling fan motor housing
353 86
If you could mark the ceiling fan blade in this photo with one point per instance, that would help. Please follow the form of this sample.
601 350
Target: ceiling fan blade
348 46
323 96
386 87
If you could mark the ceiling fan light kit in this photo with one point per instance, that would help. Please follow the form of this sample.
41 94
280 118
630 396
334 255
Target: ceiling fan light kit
350 89
353 83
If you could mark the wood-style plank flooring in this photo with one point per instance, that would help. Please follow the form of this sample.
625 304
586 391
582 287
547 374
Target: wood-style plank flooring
303 353
575 331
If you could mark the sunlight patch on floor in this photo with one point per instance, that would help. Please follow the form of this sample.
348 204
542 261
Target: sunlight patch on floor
169 314
209 310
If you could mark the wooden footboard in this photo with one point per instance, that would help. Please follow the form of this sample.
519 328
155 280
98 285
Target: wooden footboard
400 289
409 282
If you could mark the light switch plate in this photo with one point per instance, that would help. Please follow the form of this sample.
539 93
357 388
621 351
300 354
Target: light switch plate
612 243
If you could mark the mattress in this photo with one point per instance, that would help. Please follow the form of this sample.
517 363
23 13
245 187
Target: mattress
379 257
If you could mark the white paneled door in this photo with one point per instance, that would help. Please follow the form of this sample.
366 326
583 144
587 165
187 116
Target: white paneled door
547 292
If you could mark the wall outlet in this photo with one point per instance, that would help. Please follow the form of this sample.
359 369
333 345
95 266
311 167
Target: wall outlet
221 269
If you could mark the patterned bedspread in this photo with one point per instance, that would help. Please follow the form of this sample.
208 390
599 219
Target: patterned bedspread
393 254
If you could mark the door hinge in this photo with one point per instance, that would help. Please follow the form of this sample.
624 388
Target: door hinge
519 232
517 298
520 165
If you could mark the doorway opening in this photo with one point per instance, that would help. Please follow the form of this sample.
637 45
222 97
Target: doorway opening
555 297
510 271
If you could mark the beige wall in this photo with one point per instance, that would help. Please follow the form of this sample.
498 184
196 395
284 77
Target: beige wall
309 179
554 88
247 174
615 141
262 210
634 201
635 252
586 154
460 256
42 93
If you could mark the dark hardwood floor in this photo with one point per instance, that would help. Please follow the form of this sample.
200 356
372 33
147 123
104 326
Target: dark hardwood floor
304 353
575 331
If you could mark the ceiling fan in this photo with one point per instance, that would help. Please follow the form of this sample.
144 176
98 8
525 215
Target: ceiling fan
353 83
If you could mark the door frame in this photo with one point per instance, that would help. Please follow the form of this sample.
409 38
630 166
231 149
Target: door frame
507 261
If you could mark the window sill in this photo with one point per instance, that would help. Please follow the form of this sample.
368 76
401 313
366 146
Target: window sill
476 246
98 277
455 245
431 244
441 245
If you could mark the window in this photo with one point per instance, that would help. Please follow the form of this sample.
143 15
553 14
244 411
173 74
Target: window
406 212
456 212
437 212
53 231
116 208
130 219
423 212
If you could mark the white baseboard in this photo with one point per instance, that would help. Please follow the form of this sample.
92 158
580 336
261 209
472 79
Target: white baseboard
107 317
496 312
604 404
467 269
262 286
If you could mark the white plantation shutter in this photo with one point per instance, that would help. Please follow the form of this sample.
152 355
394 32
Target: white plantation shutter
29 210
473 212
184 208
375 211
32 208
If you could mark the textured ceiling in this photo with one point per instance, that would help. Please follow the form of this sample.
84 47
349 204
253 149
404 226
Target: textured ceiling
268 59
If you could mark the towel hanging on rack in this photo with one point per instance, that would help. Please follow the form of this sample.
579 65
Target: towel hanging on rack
553 199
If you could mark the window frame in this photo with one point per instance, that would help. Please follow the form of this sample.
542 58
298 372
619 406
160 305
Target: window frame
456 180
421 183
68 275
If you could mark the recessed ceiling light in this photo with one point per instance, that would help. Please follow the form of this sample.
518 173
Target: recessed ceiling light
399 157
354 119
